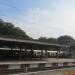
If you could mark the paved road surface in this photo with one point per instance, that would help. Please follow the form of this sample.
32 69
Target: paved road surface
43 73
49 72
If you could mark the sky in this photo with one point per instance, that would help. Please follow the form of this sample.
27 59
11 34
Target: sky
40 18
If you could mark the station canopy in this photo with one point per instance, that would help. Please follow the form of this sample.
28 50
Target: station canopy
22 43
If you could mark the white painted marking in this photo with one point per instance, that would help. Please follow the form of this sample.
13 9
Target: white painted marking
60 64
70 64
33 65
14 66
48 65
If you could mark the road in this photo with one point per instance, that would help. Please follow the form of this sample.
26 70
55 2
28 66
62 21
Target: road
49 72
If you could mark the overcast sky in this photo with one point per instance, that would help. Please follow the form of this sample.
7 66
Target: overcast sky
47 18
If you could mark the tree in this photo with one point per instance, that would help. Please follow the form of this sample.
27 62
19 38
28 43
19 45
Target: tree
65 40
48 40
52 40
42 39
7 28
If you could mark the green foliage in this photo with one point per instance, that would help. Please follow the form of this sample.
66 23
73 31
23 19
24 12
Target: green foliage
42 39
52 40
66 40
48 40
9 29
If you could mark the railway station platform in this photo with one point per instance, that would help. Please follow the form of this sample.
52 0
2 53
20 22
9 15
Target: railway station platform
22 66
35 66
48 60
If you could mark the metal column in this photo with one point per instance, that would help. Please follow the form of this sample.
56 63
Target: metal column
41 54
32 53
20 54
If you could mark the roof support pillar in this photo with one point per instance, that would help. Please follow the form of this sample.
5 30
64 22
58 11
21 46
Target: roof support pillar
41 54
57 55
11 52
32 53
20 54
46 53
26 53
